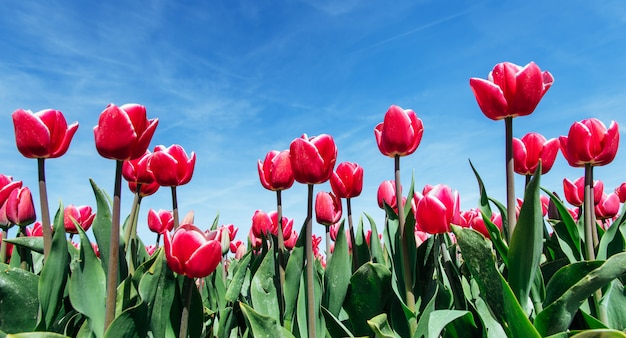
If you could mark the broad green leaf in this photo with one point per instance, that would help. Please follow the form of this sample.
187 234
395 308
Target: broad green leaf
234 288
359 246
439 319
496 239
157 288
368 295
334 326
381 327
101 225
612 241
605 333
293 274
376 248
337 275
36 335
526 244
263 326
615 302
566 277
131 323
32 243
18 299
263 289
558 316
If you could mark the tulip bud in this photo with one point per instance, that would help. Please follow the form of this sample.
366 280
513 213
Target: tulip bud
171 166
20 209
531 149
400 133
347 180
327 208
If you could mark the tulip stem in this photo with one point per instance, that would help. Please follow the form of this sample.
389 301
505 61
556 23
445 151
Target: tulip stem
281 255
355 260
406 267
3 246
328 239
25 256
310 294
510 178
184 320
175 207
45 210
114 253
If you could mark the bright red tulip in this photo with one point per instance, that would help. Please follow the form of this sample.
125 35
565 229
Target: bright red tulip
327 208
347 180
400 132
590 142
313 158
20 209
138 170
511 90
124 133
275 172
264 223
438 209
192 252
81 215
621 192
44 134
6 186
608 207
530 149
171 166
387 194
575 191
160 221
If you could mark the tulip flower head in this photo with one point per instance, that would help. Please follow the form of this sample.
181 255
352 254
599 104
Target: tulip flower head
124 133
44 134
267 223
19 206
291 241
313 158
528 151
347 180
575 191
171 166
437 209
590 142
138 170
511 90
327 208
7 185
608 207
192 252
160 221
621 192
387 194
82 215
275 171
400 132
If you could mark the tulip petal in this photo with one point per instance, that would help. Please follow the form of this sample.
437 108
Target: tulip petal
204 260
31 134
609 146
528 91
490 98
115 136
520 157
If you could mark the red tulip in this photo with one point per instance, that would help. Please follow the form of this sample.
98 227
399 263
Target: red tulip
160 221
264 223
44 134
150 249
575 191
171 166
347 180
275 172
530 149
138 170
124 133
6 186
231 230
438 209
146 189
608 207
473 218
387 194
81 215
313 158
400 133
291 242
20 209
590 142
327 208
511 90
621 192
238 248
192 252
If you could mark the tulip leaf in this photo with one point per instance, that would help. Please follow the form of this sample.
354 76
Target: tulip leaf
337 275
101 225
293 274
360 250
376 248
157 288
566 277
32 243
367 296
54 275
496 239
569 231
129 324
381 327
234 287
560 313
615 301
612 241
36 335
87 286
263 290
484 199
334 326
18 299
600 333
263 326
526 244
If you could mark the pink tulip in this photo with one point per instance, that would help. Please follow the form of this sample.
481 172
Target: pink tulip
590 142
44 134
621 192
575 191
608 207
511 90
81 215
347 180
238 248
400 132
438 209
264 223
192 252
387 194
150 249
313 158
327 208
275 172
20 209
291 241
171 166
160 221
473 218
124 133
138 170
532 148
7 185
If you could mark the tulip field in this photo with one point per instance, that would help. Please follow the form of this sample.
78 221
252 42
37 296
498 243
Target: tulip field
546 264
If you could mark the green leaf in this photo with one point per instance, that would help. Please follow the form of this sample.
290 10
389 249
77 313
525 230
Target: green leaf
439 319
571 236
101 225
368 295
362 252
566 277
129 324
612 241
604 333
376 248
558 316
234 288
526 244
31 243
263 289
381 327
484 199
293 274
157 288
87 286
263 326
18 299
337 275
36 335
334 326
615 302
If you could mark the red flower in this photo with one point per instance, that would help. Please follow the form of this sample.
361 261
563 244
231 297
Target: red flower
191 252
160 222
473 218
275 172
238 248
530 149
590 142
510 90
124 133
264 223
146 189
437 209
138 170
575 191
608 207
291 241
81 215
20 209
327 208
7 185
171 166
387 194
313 158
44 134
347 180
621 192
400 133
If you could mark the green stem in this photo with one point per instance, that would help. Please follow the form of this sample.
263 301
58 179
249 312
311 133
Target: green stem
328 240
510 178
114 253
175 207
310 262
25 257
355 259
45 210
188 285
281 256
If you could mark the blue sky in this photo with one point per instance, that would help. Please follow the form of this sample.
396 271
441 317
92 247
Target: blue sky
232 80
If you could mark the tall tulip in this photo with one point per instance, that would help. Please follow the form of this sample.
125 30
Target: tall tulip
327 212
275 171
347 182
82 215
530 149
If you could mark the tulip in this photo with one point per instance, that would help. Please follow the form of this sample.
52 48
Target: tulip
608 207
81 215
138 170
275 171
44 134
473 218
231 229
438 209
20 209
387 194
511 90
621 192
124 133
313 158
291 241
400 132
327 208
160 221
37 230
150 249
530 149
575 191
7 185
191 252
347 180
238 248
6 249
590 142
145 189
264 223
171 166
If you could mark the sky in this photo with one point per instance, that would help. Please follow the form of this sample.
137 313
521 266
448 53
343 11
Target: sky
233 80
